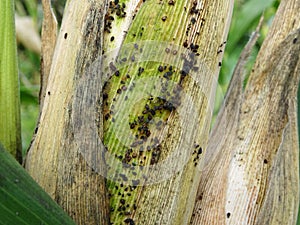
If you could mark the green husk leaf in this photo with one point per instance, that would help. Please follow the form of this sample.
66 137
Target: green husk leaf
22 200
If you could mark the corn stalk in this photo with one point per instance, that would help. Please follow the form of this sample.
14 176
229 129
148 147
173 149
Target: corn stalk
124 127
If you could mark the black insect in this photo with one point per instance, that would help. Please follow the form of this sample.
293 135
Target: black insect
160 68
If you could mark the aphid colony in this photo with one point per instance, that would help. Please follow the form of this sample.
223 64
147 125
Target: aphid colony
114 8
145 124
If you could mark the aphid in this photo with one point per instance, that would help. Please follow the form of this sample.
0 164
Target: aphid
118 13
135 182
123 176
167 50
199 151
117 73
130 221
171 2
160 68
174 52
140 71
193 20
136 46
132 58
185 44
112 66
164 18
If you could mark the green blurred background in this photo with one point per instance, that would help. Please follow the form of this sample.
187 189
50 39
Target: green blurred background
245 19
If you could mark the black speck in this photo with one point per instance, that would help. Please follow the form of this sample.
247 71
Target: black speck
193 20
220 64
295 40
112 38
164 18
265 161
66 35
49 92
228 215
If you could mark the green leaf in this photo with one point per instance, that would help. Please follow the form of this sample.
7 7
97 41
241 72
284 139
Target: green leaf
10 125
245 17
22 200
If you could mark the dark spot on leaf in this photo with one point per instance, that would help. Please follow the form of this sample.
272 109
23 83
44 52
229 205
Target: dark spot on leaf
295 40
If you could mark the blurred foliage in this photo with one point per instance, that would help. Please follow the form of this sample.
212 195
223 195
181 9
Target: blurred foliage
246 15
245 18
